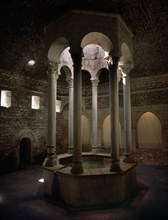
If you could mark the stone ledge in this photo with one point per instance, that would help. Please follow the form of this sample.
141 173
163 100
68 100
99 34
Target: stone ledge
94 187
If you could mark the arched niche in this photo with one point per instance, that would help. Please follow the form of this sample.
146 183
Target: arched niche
149 131
106 140
56 49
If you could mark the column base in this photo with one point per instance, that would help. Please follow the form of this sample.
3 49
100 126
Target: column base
77 168
50 161
94 149
128 158
115 166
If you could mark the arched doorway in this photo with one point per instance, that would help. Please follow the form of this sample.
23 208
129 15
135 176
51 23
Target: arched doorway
25 151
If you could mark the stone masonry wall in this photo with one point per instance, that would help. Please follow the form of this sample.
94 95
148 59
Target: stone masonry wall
147 94
20 120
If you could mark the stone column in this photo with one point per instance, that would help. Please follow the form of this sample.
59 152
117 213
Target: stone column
51 159
127 115
94 115
114 114
99 139
70 117
77 152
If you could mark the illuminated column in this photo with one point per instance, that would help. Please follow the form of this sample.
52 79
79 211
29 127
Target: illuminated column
114 114
51 159
77 150
127 115
70 116
94 115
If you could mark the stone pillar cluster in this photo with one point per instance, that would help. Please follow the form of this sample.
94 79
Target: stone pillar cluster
75 100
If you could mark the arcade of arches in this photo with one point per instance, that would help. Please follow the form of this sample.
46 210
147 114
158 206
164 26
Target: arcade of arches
103 111
87 100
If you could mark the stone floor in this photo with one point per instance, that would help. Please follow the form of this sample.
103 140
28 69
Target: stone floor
21 198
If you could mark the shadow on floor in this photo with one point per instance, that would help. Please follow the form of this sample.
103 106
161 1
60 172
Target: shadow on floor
21 198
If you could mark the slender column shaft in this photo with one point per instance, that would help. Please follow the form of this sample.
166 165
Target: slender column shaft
77 156
114 115
127 118
70 117
94 115
51 149
52 110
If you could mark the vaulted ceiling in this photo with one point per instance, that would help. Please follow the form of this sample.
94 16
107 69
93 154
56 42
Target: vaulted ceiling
22 21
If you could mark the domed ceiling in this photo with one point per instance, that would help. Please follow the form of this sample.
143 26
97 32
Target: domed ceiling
22 22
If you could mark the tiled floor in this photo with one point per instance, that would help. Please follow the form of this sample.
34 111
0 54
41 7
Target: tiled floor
21 198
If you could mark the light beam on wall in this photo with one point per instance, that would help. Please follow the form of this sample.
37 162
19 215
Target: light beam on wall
58 105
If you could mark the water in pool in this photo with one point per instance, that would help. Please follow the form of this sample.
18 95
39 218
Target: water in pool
94 164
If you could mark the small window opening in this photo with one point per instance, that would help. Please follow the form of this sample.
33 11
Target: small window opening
35 102
6 97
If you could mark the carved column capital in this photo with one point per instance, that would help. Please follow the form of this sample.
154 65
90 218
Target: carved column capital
126 68
95 82
52 68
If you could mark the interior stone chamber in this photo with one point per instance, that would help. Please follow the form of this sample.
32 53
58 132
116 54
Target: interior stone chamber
95 187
